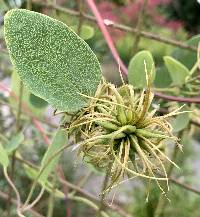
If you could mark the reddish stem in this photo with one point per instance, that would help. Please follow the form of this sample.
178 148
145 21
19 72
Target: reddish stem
110 43
107 36
178 99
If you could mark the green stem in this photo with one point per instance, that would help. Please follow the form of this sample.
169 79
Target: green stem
19 110
42 170
15 190
29 5
52 198
55 12
18 115
81 18
89 203
103 194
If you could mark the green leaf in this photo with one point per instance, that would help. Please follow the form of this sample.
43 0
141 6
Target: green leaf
177 70
37 102
53 61
14 142
30 172
86 32
59 140
180 122
124 47
136 69
162 78
3 157
187 57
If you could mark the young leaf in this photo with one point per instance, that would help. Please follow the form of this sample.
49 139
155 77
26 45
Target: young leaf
180 122
15 141
177 70
187 57
37 102
86 32
124 47
136 69
59 140
53 61
162 78
3 157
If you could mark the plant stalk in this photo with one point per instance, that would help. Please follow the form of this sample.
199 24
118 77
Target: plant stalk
139 26
18 115
105 183
52 198
81 17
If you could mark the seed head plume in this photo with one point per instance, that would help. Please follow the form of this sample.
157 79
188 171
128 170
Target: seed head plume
120 129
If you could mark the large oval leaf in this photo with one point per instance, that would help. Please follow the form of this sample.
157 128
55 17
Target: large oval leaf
180 122
187 57
136 69
52 60
177 70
